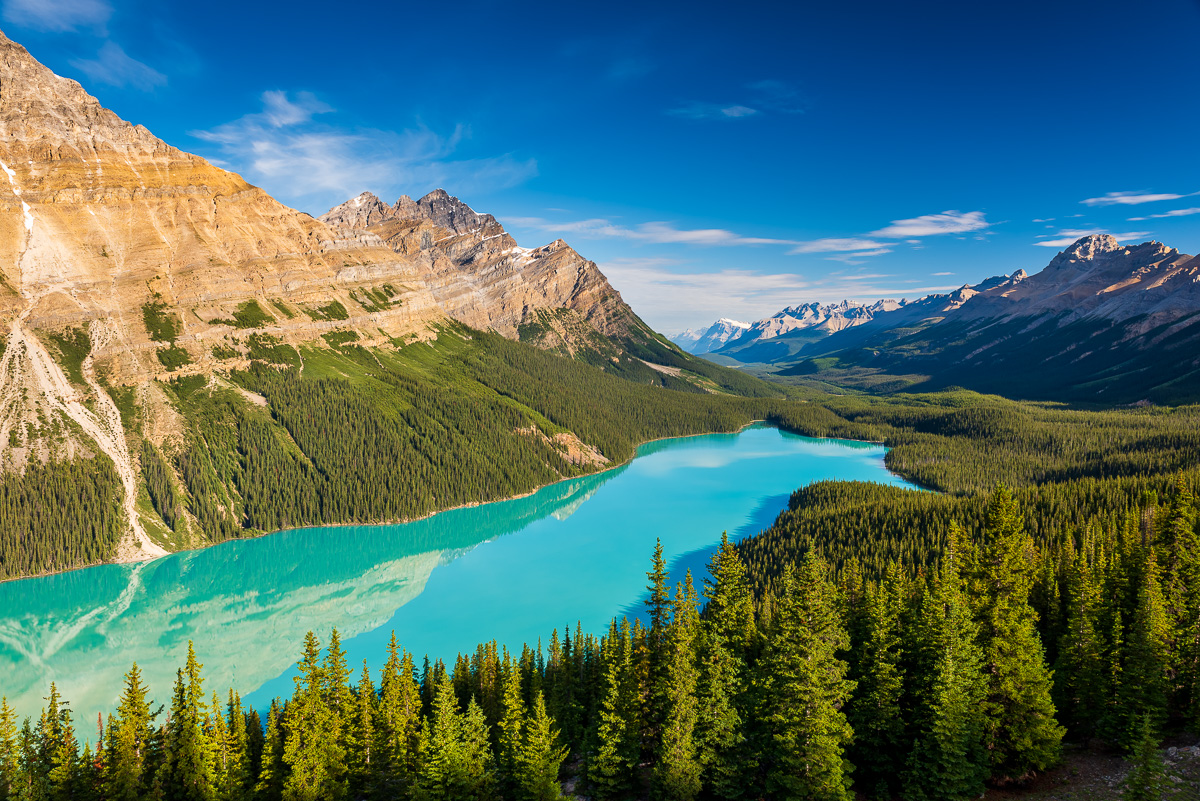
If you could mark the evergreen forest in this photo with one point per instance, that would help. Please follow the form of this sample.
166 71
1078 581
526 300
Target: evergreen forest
927 683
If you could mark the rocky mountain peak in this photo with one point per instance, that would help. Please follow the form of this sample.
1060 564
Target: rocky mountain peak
358 212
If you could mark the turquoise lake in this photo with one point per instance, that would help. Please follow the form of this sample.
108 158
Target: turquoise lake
512 570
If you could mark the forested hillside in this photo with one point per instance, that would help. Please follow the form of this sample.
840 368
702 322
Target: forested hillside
919 683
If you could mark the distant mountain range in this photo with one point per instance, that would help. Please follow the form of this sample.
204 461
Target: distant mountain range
1102 323
780 335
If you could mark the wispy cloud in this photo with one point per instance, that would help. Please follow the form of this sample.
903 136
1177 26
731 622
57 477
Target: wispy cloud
58 15
1129 198
1070 236
671 299
1174 213
114 67
291 149
938 275
836 245
696 110
761 97
851 250
651 232
948 222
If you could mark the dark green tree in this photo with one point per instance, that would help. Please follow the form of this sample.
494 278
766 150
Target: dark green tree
312 747
540 758
1147 778
187 772
677 769
1022 734
804 688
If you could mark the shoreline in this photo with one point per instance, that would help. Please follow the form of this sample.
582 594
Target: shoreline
468 505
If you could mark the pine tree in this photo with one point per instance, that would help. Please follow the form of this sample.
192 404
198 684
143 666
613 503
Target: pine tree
509 734
804 687
9 752
1145 657
1147 778
272 770
312 751
216 734
540 757
187 769
1022 734
1082 681
59 748
677 768
658 607
130 735
610 766
363 761
399 724
726 636
875 713
947 761
455 758
476 753
236 781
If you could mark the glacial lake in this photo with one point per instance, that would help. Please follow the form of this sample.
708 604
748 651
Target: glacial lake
512 570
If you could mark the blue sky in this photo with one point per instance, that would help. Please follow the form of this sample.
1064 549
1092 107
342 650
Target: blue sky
715 159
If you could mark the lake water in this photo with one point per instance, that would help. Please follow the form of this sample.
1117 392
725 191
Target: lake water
512 570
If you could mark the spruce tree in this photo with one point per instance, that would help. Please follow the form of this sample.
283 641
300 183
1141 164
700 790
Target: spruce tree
1147 778
610 766
130 735
875 711
216 734
1081 678
9 752
187 774
658 607
272 770
236 782
677 768
363 760
947 761
312 749
509 729
727 634
804 688
1022 734
540 757
1145 656
455 758
399 725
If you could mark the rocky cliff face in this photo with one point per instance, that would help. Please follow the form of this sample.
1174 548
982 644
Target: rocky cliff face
478 274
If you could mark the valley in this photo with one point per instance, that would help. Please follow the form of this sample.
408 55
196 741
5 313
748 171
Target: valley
434 515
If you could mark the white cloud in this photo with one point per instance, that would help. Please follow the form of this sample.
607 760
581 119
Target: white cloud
938 275
671 299
768 96
290 150
1173 213
1070 237
113 66
1128 199
948 222
836 245
58 15
650 232
712 111
858 256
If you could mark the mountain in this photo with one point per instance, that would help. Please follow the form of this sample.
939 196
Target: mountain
477 274
1102 322
782 334
185 360
711 338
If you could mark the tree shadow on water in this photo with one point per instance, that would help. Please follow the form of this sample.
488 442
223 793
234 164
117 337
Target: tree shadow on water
762 518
